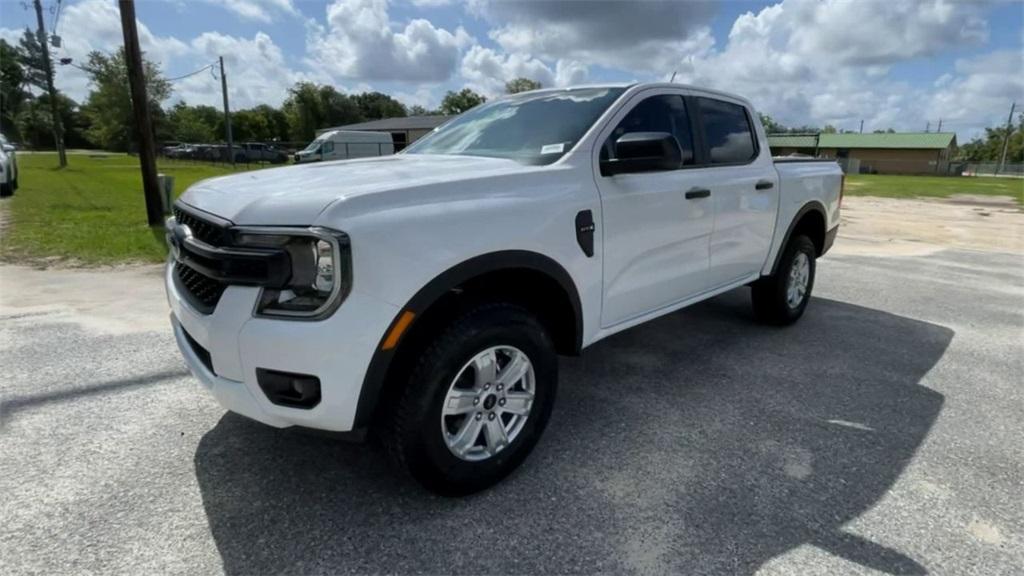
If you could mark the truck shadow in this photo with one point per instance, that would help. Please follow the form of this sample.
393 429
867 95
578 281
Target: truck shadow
700 443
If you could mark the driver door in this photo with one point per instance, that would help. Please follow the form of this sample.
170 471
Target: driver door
657 225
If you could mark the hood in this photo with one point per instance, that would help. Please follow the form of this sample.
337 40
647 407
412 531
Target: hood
296 195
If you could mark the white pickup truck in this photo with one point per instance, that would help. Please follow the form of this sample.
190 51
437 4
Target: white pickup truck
426 296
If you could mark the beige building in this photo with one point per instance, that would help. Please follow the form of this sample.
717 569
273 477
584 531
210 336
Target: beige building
897 153
404 130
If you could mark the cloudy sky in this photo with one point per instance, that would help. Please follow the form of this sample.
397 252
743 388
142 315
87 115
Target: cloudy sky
891 63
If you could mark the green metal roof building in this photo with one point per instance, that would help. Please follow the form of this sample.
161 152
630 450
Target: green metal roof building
882 153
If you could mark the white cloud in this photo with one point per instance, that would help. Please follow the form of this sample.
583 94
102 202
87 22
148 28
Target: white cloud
96 25
11 35
881 32
361 41
570 72
259 10
980 92
829 62
803 61
637 36
256 70
487 70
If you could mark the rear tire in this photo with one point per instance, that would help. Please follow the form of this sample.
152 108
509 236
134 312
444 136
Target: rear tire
781 298
6 189
476 401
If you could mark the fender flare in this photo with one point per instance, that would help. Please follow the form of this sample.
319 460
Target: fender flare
381 362
812 206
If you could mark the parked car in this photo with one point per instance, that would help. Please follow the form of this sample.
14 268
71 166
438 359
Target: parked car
210 152
346 144
8 167
180 151
258 152
426 296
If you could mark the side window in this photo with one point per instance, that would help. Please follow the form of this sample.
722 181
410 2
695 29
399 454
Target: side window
663 113
328 147
727 128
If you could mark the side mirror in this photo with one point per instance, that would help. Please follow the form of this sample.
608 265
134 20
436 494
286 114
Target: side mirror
643 152
9 148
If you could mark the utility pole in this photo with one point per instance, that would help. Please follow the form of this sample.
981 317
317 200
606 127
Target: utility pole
140 109
227 112
1006 138
58 127
928 127
940 125
861 126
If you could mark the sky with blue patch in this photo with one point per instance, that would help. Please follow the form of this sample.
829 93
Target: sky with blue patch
903 65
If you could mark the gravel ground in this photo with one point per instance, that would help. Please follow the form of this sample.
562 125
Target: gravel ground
882 433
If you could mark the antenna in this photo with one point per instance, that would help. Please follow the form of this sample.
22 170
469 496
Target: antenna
673 76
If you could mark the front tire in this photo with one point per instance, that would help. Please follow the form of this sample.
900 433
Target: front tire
476 402
781 298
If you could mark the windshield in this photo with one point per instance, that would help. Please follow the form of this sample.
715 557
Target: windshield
531 128
312 145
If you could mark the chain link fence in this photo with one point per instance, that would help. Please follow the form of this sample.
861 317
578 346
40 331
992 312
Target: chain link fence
992 169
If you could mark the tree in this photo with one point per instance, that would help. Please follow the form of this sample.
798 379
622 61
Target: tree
829 129
458 102
518 85
989 148
375 105
275 120
250 125
12 91
109 106
34 122
770 125
311 107
417 110
31 56
193 123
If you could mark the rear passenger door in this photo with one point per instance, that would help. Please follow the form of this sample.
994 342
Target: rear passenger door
655 236
744 189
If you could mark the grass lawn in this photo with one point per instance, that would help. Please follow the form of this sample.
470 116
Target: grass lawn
91 212
891 186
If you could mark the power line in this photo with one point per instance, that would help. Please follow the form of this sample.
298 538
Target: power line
56 17
183 76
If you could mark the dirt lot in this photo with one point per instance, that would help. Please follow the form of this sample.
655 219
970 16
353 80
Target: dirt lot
881 434
889 226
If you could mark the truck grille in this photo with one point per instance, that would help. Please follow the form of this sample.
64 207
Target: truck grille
202 291
201 229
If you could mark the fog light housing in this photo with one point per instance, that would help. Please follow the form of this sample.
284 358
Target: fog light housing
288 388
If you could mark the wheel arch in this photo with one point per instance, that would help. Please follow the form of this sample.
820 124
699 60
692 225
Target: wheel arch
809 220
541 284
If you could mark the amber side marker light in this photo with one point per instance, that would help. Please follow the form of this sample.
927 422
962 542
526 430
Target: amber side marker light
397 330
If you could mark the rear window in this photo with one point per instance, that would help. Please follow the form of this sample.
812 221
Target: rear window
728 131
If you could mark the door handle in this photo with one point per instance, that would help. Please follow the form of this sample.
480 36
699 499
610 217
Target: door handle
764 185
697 193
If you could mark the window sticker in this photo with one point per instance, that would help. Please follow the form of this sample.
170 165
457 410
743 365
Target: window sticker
553 148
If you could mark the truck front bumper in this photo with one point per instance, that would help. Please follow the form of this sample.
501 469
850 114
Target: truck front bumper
224 350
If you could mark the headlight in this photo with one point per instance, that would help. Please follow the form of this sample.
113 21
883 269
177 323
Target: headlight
321 270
